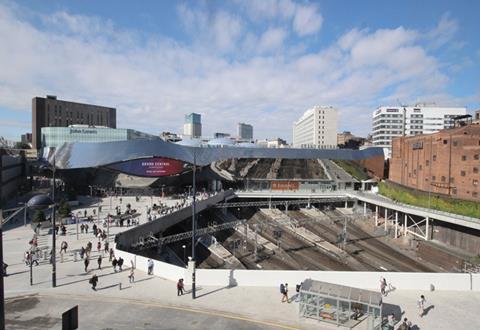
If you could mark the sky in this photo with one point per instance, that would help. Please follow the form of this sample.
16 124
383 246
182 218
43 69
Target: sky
262 62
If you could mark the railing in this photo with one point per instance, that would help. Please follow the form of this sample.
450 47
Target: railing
424 209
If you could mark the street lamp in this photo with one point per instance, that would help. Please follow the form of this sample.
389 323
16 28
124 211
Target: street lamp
194 186
184 247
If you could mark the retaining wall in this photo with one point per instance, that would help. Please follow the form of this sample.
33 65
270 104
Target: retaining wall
273 278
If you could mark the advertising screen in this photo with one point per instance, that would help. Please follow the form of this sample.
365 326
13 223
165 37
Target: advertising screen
151 167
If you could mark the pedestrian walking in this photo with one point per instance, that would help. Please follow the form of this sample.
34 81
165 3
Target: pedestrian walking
150 266
99 261
63 247
131 277
180 287
105 247
86 228
120 263
114 264
99 246
86 263
284 292
112 254
421 305
93 281
383 286
82 228
94 227
34 258
406 325
391 321
82 252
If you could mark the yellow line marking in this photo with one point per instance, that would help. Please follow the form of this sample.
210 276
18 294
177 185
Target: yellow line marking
155 304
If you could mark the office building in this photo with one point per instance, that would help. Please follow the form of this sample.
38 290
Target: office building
245 131
390 122
447 162
26 138
50 112
192 127
316 128
56 136
344 137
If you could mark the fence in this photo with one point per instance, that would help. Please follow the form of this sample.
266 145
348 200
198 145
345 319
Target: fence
272 278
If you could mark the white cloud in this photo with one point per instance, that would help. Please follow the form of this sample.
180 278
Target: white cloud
154 82
443 33
272 39
307 20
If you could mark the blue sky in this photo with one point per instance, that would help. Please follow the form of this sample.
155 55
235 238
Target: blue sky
262 62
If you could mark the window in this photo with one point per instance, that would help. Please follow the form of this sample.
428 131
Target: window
475 170
464 157
462 173
443 178
454 191
474 194
433 177
455 143
427 162
434 157
476 157
445 141
420 167
475 182
452 180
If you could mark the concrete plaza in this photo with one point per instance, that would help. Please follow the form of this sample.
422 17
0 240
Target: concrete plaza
152 303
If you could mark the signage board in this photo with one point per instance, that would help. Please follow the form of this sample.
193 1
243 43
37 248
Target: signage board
151 167
285 185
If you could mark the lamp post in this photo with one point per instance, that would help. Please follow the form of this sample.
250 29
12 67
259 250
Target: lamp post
193 222
184 247
54 239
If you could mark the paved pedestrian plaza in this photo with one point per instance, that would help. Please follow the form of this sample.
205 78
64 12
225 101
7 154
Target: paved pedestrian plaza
152 302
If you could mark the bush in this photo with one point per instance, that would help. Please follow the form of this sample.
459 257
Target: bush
63 209
434 201
39 216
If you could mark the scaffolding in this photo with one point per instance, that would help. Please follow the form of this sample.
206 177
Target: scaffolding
340 305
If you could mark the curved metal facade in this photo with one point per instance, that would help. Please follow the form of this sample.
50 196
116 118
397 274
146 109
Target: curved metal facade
86 155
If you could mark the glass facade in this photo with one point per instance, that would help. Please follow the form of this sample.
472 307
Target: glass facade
193 118
56 136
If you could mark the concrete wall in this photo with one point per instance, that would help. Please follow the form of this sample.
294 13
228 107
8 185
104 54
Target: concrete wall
273 278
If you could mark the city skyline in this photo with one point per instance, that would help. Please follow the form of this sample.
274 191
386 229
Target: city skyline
235 61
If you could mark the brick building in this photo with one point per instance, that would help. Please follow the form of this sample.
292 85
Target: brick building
447 162
50 112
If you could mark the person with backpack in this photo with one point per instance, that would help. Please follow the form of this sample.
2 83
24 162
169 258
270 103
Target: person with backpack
284 292
93 281
180 287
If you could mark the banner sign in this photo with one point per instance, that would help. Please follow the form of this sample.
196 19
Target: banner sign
151 167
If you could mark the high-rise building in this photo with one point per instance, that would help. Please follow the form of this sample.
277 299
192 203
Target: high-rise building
50 112
389 122
245 131
193 125
317 127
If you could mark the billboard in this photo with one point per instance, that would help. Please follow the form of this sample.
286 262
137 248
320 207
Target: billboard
150 167
285 185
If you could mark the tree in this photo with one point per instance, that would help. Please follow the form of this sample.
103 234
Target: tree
21 145
39 216
63 209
